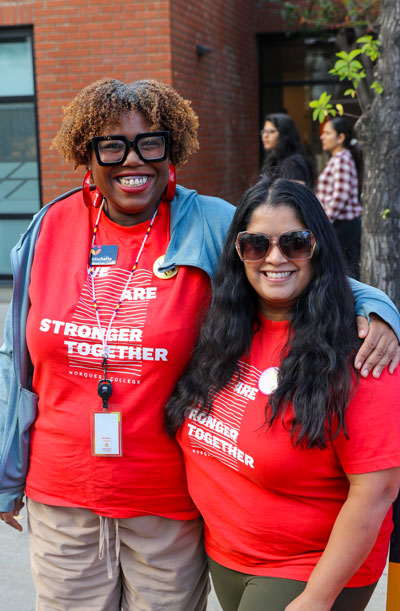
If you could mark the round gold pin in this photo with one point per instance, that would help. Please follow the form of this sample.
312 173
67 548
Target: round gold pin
163 275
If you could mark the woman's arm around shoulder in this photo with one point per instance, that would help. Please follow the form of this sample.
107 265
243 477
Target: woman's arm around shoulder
379 325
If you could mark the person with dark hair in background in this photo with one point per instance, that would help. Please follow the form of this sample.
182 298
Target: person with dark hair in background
292 459
339 187
284 154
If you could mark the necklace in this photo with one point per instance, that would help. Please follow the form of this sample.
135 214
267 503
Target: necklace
105 334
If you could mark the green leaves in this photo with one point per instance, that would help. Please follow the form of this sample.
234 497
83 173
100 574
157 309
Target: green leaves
322 107
349 68
377 87
370 47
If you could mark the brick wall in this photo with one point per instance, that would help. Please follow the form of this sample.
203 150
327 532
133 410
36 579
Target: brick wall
268 17
223 88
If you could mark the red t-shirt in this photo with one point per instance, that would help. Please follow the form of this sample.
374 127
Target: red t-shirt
151 341
268 506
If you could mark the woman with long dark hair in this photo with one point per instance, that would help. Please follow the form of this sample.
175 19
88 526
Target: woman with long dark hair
339 187
292 459
284 154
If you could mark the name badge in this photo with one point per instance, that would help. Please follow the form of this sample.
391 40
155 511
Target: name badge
106 434
104 255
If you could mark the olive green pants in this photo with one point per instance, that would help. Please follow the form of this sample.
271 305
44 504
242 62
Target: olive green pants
241 592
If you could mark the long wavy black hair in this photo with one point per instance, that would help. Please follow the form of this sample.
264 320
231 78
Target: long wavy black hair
316 374
289 143
342 126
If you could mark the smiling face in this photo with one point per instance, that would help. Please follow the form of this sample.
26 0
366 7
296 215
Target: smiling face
270 136
133 188
330 139
277 281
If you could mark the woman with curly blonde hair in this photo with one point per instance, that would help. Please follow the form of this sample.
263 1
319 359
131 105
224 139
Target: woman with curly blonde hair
111 282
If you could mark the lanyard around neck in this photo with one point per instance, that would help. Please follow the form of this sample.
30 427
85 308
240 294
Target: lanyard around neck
105 334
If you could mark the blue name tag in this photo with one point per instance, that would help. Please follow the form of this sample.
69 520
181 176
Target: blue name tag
104 255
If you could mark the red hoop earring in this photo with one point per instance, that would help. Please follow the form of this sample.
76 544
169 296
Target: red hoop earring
169 192
90 198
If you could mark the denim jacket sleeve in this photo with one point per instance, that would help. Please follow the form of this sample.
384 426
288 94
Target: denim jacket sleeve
17 412
370 300
17 403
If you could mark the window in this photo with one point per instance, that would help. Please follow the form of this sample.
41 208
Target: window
19 167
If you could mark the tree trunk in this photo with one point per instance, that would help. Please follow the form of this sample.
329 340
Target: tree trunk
379 133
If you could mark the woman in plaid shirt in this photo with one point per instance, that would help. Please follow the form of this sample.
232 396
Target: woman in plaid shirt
338 189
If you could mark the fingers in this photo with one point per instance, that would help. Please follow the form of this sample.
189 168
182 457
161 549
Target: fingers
395 360
8 518
384 360
362 326
371 356
379 349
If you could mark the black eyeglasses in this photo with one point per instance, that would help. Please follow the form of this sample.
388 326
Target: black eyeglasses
294 245
149 146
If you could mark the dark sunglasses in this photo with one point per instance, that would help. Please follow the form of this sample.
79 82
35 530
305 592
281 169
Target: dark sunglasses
149 146
294 245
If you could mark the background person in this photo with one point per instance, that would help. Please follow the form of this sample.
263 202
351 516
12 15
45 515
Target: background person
284 154
110 285
339 186
292 461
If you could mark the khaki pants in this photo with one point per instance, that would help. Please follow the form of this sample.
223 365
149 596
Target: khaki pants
161 562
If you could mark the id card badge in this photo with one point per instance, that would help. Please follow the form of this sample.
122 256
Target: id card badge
104 255
106 433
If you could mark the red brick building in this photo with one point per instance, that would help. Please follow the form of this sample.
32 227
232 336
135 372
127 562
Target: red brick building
228 58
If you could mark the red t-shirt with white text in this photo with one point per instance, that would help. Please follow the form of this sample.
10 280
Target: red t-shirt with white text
269 507
150 343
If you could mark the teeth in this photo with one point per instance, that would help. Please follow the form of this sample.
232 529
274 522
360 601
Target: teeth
133 182
277 274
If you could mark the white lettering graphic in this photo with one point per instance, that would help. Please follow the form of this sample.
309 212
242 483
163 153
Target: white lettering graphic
133 353
101 271
125 334
220 444
214 424
246 391
83 340
45 324
139 293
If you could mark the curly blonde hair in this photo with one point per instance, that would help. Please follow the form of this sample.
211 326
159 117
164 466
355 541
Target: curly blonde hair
100 105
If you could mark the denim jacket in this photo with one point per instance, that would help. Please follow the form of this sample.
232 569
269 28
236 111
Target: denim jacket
198 229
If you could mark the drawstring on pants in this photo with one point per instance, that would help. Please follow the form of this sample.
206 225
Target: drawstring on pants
104 538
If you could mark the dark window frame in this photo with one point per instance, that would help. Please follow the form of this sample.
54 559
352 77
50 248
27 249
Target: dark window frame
17 34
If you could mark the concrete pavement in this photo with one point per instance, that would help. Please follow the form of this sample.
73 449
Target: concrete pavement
16 586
